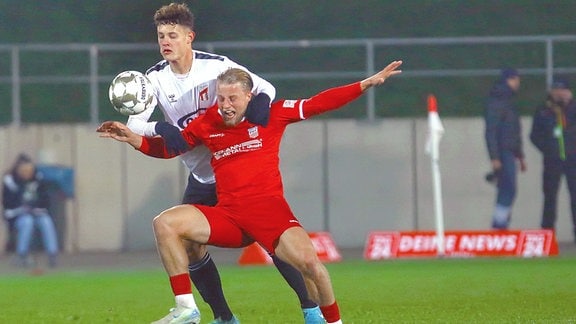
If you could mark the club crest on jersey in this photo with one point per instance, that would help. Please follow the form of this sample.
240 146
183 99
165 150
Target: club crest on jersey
253 132
203 94
289 104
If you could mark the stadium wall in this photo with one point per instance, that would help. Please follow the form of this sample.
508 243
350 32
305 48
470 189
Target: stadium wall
345 176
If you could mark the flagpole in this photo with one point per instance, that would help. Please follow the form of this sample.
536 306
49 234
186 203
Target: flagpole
436 129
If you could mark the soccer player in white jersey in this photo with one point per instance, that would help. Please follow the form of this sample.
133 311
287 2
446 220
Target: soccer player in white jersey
185 86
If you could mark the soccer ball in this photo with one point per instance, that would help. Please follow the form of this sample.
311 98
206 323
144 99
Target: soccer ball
131 93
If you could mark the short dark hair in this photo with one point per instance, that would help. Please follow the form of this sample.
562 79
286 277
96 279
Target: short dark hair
236 75
508 73
560 82
174 14
22 158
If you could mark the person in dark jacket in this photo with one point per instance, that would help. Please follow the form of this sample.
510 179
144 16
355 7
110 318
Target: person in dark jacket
26 201
504 143
554 134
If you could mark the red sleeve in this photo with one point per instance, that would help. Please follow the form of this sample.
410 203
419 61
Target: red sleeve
154 146
331 99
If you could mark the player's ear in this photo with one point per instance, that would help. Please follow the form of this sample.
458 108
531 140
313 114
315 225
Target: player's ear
191 36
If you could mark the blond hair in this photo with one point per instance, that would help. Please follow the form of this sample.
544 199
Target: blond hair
236 75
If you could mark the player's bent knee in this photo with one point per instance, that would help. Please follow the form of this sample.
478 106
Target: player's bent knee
308 264
161 225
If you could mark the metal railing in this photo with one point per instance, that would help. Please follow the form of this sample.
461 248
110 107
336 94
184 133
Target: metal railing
94 52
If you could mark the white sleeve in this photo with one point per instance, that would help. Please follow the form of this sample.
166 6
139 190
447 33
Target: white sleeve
140 125
260 85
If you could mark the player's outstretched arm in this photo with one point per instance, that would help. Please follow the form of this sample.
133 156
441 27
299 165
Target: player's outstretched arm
337 97
379 78
119 132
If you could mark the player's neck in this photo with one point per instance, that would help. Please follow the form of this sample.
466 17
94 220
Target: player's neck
183 66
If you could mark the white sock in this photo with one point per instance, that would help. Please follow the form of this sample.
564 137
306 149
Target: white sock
186 300
337 322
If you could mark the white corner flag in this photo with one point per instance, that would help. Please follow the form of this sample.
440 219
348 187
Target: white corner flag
435 132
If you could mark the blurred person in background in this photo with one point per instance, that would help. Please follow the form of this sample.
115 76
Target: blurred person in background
26 201
554 134
503 136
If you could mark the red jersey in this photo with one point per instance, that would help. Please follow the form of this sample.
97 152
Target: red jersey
245 157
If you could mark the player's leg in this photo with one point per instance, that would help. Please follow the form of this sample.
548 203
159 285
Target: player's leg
206 278
198 224
202 269
293 277
171 228
295 247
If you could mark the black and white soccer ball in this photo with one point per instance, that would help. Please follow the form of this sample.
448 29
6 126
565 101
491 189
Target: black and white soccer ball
131 93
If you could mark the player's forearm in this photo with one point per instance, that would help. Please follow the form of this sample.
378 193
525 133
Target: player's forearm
141 127
135 141
154 147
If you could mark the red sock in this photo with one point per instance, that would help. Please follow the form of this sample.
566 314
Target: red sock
181 284
331 312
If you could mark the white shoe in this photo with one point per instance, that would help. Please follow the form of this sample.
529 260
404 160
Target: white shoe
181 315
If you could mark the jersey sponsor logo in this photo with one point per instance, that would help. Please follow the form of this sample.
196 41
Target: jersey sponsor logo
253 132
289 103
216 135
172 98
251 145
186 119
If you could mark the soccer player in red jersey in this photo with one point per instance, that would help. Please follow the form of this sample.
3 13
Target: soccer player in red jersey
251 204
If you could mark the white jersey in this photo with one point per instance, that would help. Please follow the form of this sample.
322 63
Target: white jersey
182 98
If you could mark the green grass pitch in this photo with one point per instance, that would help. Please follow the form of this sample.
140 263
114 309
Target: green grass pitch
481 290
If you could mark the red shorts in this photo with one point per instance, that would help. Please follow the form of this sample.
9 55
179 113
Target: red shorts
262 220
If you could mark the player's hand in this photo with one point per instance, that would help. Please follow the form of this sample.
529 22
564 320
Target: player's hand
175 143
258 110
119 132
380 77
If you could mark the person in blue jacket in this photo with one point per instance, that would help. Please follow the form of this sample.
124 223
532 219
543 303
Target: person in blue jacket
504 142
